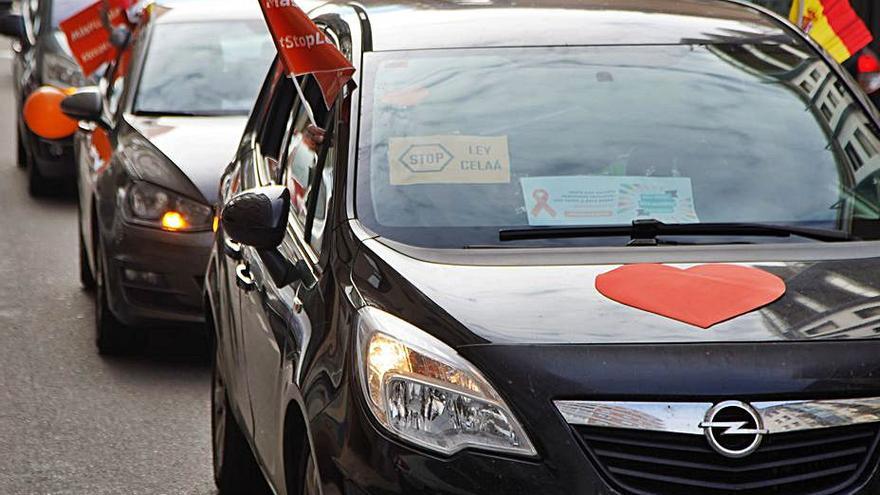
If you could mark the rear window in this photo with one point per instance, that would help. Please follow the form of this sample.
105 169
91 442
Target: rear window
459 144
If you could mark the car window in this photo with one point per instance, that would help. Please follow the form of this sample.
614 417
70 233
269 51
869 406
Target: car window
301 164
457 145
257 119
276 124
62 9
254 172
217 73
320 218
118 73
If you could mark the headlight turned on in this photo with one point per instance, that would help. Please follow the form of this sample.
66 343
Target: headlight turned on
153 206
421 390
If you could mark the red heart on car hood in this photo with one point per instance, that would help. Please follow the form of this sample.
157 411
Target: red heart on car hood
702 295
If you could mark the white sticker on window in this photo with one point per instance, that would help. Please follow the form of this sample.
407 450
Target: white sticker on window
449 160
602 200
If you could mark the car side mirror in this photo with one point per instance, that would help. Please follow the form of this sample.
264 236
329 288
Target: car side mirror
86 104
12 25
258 218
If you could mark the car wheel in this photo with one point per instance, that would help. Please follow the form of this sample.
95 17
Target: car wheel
111 336
21 158
309 477
235 469
86 278
38 185
301 474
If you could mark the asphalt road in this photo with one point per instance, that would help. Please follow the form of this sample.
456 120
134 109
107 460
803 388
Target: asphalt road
72 422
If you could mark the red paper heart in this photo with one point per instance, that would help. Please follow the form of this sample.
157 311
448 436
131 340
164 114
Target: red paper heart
702 295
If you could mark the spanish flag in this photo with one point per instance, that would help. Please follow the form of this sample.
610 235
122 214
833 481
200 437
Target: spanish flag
833 24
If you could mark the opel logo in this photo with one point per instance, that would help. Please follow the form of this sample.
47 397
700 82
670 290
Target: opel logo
733 428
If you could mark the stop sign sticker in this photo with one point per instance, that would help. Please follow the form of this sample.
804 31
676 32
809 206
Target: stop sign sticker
420 158
449 160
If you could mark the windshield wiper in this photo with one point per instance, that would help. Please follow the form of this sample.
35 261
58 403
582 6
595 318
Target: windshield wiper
645 232
178 113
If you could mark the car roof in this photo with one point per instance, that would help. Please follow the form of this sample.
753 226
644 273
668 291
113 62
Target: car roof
431 24
173 11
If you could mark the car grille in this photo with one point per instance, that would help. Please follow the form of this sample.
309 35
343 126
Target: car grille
812 462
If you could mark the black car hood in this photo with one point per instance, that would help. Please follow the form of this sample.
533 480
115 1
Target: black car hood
200 147
559 304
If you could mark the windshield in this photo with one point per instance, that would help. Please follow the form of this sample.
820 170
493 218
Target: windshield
459 145
62 9
204 68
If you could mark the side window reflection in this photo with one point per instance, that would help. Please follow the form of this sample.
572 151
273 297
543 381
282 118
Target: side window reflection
305 143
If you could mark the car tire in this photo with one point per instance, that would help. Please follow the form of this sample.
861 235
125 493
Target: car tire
86 278
21 158
308 478
235 470
111 336
39 186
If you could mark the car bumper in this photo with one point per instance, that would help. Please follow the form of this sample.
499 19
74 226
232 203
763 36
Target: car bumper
370 462
356 455
156 276
54 158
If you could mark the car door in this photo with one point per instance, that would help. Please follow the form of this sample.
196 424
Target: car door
95 144
279 322
241 175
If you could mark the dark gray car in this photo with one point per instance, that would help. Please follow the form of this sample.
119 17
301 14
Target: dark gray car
42 57
156 135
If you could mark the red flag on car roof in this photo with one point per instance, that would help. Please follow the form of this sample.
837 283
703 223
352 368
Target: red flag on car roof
305 48
87 35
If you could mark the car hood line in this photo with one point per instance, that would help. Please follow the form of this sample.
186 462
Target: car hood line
200 147
535 304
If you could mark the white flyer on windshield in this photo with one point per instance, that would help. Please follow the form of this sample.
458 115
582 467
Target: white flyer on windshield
607 200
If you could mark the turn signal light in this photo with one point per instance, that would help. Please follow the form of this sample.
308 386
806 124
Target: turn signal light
385 355
173 220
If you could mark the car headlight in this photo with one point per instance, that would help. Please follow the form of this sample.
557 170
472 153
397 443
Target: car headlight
421 390
153 206
62 72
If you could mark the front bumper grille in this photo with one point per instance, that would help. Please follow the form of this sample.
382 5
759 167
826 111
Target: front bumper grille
813 462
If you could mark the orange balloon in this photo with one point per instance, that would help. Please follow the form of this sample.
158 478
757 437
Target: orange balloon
43 116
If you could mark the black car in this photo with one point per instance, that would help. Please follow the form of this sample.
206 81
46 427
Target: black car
42 57
415 300
156 135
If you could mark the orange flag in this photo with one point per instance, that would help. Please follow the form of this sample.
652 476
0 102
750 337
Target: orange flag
833 24
305 48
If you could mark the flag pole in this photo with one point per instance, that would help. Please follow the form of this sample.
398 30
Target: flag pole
802 8
305 102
